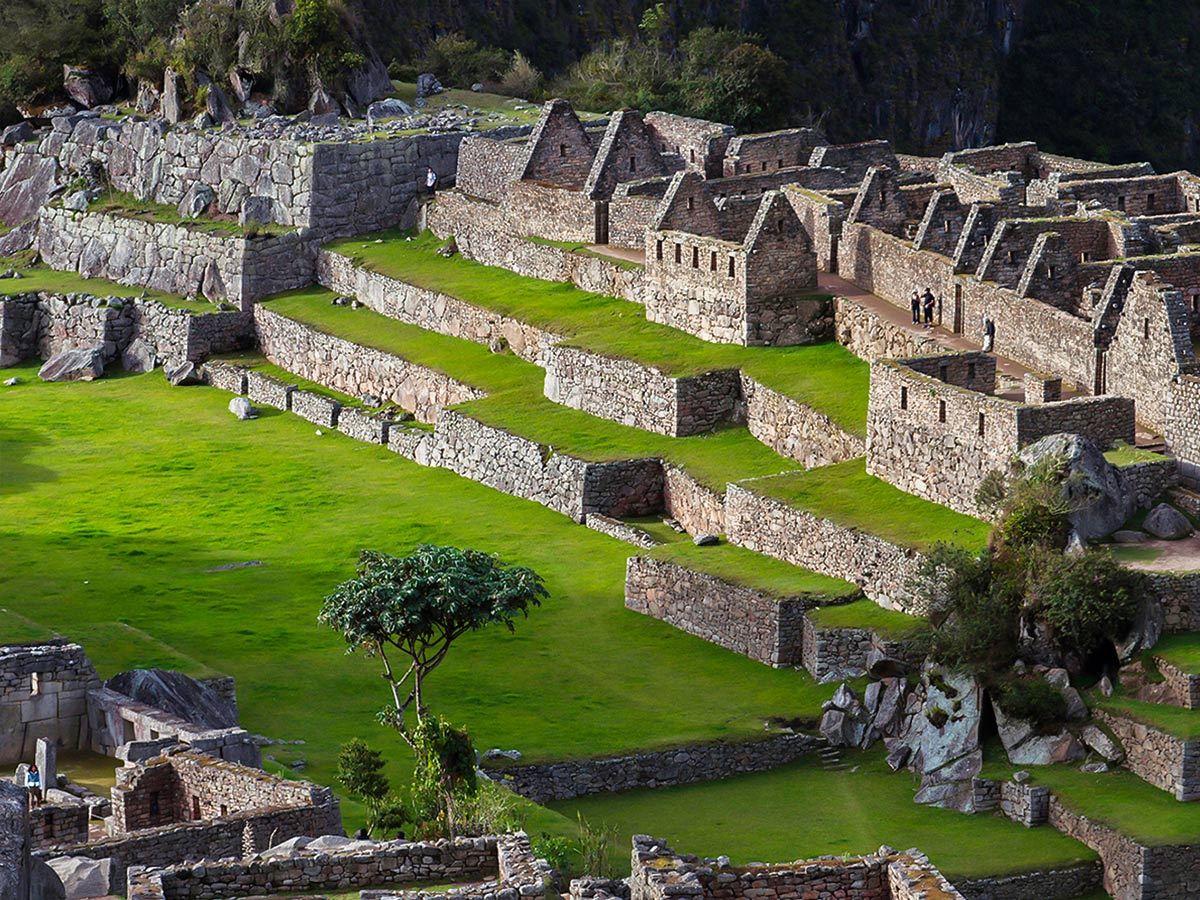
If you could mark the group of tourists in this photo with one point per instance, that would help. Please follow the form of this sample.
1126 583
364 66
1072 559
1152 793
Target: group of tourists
923 305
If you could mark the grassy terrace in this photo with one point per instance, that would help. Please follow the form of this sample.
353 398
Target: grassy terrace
826 377
584 249
1174 720
1127 455
761 817
42 278
1181 650
886 623
117 203
846 494
517 404
132 578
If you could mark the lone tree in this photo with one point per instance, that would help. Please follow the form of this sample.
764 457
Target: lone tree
417 606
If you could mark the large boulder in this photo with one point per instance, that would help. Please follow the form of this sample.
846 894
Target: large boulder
88 88
370 82
257 211
1100 743
172 109
1026 746
217 107
1147 628
197 200
1091 484
428 85
44 883
391 108
148 98
321 104
16 134
177 694
845 722
20 238
80 364
242 84
26 185
139 357
181 373
241 408
82 878
1167 523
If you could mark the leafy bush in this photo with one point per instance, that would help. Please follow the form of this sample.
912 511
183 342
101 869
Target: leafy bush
492 809
558 851
1086 600
522 79
1033 699
459 62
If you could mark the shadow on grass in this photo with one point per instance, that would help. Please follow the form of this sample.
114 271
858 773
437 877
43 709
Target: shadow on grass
17 474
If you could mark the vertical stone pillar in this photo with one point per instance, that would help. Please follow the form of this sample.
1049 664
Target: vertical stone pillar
14 841
1041 389
46 757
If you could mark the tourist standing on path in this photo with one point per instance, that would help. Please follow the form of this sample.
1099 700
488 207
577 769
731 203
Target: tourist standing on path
431 180
989 334
928 302
33 781
915 303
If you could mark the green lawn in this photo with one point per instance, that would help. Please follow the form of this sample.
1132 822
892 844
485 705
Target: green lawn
867 614
846 494
745 567
825 376
802 811
517 404
1181 650
1127 455
1125 802
43 278
1174 720
118 496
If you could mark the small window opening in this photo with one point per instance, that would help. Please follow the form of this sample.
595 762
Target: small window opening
658 250
1050 272
693 154
1121 203
1012 257
981 425
970 371
679 253
731 264
195 807
883 201
224 810
1195 302
633 164
1085 256
779 226
944 371
946 226
779 164
1145 328
764 165
691 203
1150 202
712 263
50 825
562 149
154 804
942 411
695 257
904 398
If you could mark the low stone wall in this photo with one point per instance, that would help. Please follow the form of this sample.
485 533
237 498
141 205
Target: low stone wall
269 391
615 528
699 509
364 426
833 654
1185 686
44 323
632 394
523 468
1053 884
356 370
794 430
225 376
769 526
1169 763
1179 595
431 310
318 409
1149 481
482 233
57 823
767 629
869 336
664 768
1131 871
174 258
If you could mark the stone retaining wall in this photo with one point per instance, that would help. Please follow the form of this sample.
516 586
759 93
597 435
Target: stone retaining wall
869 336
767 629
699 509
794 430
664 768
1169 763
1132 871
635 395
523 468
1054 884
58 823
1179 595
174 258
769 526
615 528
431 310
1149 481
269 391
354 369
1185 686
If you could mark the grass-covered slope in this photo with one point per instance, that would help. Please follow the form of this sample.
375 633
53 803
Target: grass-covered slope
825 376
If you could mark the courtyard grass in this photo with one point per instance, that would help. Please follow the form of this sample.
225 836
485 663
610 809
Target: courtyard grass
117 498
41 277
802 810
869 615
826 376
1180 650
844 493
516 402
1124 454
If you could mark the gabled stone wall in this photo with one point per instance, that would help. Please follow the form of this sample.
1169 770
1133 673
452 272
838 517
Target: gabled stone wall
771 150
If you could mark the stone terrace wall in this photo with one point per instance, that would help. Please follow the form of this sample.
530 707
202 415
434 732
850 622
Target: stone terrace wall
836 653
769 526
482 233
356 370
1054 884
394 862
794 430
429 309
236 835
869 336
1179 595
682 765
699 509
1131 871
767 629
551 212
632 394
173 258
43 693
523 468
1184 685
1169 763
1183 424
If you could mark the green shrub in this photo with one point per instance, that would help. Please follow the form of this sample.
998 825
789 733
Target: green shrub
1034 699
459 62
558 851
1086 600
522 79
